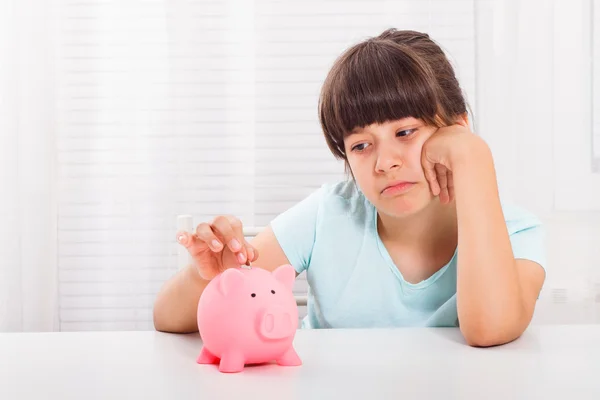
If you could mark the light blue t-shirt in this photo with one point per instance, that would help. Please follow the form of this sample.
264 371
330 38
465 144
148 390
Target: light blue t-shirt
353 282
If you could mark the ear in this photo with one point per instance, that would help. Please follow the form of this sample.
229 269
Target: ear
231 280
285 274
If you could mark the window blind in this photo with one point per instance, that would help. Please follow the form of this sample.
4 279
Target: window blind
200 108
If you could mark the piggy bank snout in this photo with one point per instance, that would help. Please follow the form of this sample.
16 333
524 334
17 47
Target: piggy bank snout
276 323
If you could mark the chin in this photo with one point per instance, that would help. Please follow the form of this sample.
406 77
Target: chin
405 205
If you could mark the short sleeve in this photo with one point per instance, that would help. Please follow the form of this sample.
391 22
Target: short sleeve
295 229
527 238
529 244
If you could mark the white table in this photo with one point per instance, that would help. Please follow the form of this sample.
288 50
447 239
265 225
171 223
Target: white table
548 362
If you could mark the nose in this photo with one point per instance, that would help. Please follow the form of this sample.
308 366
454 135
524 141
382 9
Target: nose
387 159
276 323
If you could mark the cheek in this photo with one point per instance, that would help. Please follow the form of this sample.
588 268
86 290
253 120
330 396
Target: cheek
362 169
357 168
412 158
418 166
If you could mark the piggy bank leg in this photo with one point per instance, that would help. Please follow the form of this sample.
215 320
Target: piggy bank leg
206 357
232 361
289 358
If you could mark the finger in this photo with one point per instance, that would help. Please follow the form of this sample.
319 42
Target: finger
435 186
441 172
450 185
256 253
183 238
222 227
430 175
251 251
444 196
191 242
243 255
205 233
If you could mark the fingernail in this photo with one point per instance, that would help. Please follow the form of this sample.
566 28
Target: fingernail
235 245
251 254
182 238
216 244
241 258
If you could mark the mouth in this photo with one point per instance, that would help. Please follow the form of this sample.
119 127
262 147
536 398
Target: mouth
397 187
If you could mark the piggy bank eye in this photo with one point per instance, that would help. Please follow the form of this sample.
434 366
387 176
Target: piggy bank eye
253 295
272 291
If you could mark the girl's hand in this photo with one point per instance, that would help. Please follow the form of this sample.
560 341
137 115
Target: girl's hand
439 155
217 246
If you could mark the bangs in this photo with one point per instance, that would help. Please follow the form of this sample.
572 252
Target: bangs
375 82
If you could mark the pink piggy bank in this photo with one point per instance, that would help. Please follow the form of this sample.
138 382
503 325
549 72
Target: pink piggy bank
248 315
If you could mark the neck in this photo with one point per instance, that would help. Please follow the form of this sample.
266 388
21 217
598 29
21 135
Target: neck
426 230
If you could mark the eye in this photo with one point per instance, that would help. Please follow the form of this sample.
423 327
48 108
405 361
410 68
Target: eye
359 147
272 291
253 295
405 133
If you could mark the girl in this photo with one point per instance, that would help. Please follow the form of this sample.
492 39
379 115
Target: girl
417 237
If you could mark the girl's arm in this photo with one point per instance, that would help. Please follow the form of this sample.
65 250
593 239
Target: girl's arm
496 293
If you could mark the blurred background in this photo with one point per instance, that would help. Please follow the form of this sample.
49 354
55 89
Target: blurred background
117 116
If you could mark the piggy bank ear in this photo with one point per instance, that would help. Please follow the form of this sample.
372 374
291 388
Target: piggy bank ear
231 281
285 274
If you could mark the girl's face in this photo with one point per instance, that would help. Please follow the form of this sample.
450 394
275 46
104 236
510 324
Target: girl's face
386 163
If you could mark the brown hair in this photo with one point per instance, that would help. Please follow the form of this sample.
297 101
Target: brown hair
395 75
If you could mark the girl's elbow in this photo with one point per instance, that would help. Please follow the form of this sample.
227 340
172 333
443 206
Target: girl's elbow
483 338
484 329
163 323
489 334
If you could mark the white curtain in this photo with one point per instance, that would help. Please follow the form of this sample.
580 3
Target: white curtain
28 207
